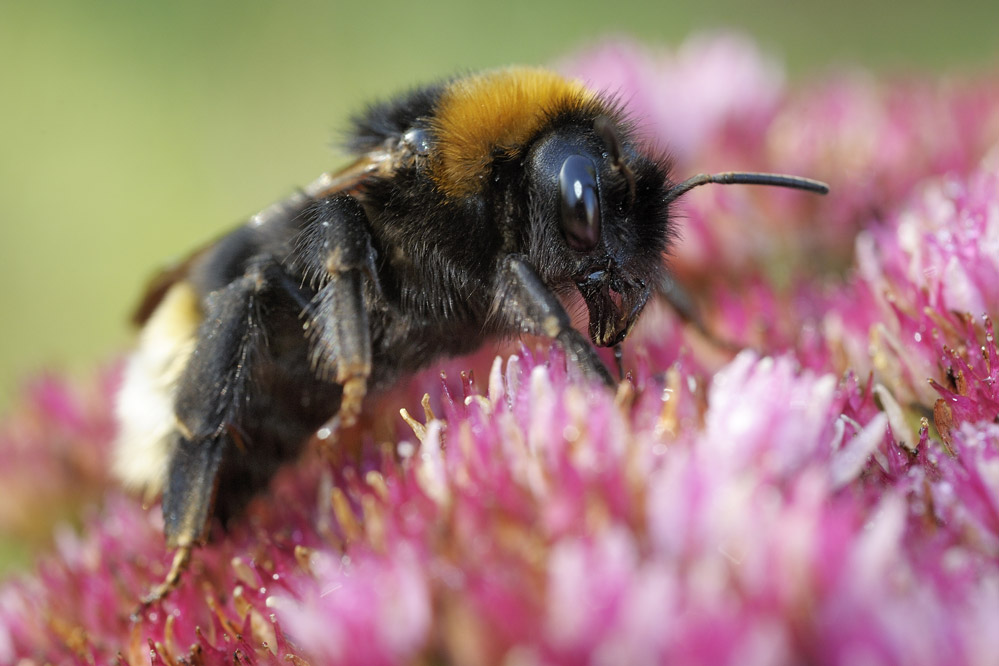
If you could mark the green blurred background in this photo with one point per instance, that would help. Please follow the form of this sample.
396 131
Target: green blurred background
131 132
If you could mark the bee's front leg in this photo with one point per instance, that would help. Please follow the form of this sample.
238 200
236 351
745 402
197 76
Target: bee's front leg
524 301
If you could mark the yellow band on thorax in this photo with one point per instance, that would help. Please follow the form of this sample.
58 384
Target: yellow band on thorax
496 111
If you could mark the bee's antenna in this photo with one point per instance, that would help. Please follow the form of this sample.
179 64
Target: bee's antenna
746 178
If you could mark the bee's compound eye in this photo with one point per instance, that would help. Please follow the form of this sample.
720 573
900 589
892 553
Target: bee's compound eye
577 183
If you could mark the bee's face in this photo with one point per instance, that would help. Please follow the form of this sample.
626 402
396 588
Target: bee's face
603 207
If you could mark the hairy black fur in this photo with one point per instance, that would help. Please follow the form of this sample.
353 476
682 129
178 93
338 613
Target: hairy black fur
392 118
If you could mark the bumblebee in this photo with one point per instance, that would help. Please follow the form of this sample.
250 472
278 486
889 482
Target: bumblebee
475 206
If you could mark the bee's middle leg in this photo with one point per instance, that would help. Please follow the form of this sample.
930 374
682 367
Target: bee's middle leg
336 251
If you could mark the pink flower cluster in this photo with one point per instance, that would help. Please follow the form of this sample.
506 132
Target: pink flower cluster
718 104
54 456
828 495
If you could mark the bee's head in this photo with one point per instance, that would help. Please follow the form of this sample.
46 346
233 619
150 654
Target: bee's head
599 221
600 212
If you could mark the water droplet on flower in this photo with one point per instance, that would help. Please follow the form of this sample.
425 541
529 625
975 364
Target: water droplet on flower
324 433
918 336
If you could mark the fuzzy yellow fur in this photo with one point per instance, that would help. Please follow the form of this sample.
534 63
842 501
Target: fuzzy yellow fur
496 111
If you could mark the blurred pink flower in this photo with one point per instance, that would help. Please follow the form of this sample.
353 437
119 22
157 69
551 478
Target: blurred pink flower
718 103
685 99
55 452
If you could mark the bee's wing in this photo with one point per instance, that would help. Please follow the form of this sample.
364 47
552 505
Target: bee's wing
160 284
353 176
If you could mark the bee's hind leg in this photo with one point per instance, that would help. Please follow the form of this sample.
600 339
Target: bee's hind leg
181 560
216 404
